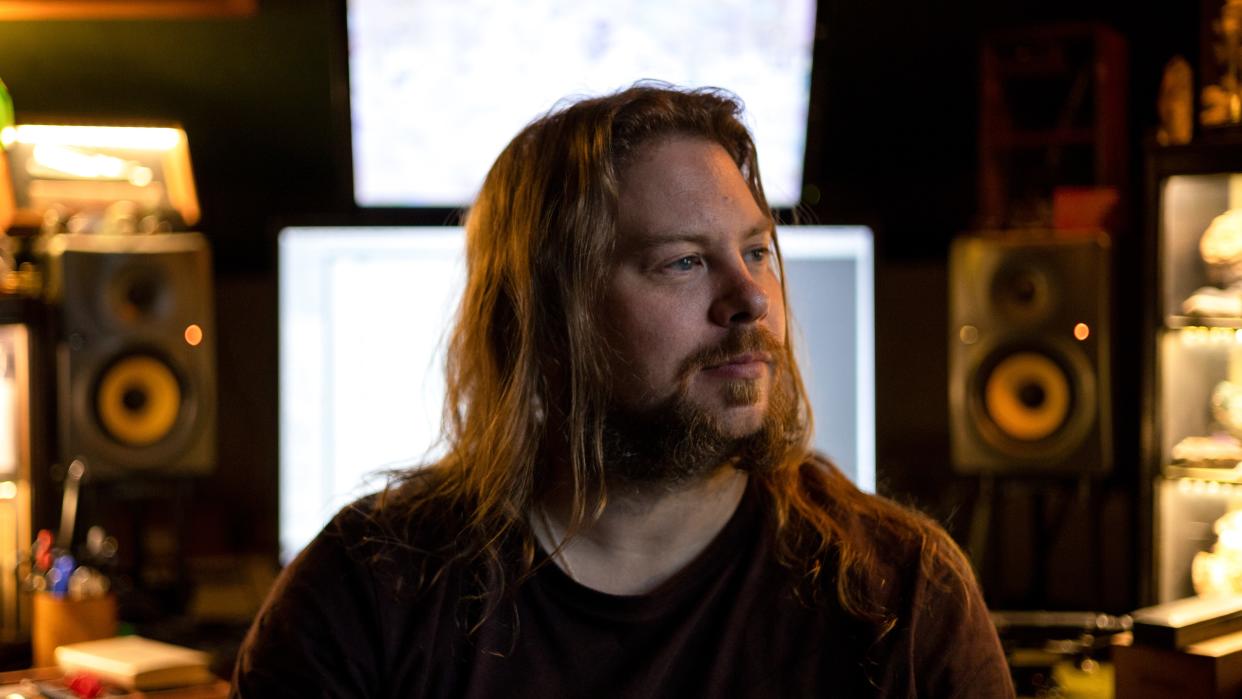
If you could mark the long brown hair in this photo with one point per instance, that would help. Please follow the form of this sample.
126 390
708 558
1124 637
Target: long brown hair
527 372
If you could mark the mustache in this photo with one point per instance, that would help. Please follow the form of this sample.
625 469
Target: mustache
741 341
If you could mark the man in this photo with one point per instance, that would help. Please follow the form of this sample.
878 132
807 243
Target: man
628 506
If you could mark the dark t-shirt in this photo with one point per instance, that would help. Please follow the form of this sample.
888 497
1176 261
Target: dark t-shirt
347 620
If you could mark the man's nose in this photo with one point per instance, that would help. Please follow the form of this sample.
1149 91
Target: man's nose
741 299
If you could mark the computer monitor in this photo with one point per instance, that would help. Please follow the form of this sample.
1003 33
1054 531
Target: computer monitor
364 315
438 87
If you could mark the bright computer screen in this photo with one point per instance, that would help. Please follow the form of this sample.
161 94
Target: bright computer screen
438 87
364 315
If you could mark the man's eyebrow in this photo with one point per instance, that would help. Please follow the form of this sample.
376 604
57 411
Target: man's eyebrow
762 230
652 240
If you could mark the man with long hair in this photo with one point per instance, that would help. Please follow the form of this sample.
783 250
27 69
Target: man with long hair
628 504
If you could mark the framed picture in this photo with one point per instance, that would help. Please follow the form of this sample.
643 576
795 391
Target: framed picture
123 9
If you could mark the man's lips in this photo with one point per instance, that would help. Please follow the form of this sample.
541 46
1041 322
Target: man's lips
749 365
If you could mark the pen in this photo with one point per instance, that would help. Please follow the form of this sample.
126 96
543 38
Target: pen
41 551
58 576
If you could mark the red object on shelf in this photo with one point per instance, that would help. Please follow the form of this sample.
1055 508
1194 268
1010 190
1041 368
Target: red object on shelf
1088 209
85 685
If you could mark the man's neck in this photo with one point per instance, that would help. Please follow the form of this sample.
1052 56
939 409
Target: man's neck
643 537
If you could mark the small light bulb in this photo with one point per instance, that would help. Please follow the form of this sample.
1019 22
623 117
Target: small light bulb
1082 331
193 335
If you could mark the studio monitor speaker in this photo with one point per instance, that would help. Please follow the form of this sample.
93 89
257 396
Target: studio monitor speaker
135 353
1029 386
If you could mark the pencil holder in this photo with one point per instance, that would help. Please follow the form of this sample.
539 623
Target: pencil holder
57 621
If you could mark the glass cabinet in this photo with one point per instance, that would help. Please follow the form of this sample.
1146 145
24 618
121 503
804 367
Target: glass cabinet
1192 414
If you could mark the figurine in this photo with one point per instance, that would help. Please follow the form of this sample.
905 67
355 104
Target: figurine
1219 571
1175 103
1221 248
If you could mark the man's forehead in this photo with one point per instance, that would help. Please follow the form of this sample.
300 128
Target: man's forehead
682 188
677 166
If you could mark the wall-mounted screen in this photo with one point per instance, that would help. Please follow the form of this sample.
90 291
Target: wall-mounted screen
438 87
364 314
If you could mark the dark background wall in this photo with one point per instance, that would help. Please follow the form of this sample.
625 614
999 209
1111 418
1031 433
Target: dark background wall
893 145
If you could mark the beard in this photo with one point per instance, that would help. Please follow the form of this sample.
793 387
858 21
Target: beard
678 441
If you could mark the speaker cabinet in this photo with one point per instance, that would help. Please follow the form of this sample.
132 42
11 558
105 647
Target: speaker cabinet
135 353
1029 387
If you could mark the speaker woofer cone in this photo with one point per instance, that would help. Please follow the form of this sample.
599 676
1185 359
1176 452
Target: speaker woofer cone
1027 396
1042 399
138 400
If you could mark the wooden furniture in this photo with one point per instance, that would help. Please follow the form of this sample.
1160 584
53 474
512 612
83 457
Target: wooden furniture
216 690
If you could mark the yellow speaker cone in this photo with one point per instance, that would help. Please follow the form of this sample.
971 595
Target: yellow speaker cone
1028 396
139 400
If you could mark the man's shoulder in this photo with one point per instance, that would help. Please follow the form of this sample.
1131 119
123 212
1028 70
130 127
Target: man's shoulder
372 573
900 541
380 546
397 518
868 518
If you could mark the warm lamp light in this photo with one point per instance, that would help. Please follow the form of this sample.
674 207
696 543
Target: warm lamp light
123 9
73 168
125 137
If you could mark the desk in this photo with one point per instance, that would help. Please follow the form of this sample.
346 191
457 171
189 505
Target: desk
216 690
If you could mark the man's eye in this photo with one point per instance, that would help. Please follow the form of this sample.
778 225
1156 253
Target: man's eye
684 264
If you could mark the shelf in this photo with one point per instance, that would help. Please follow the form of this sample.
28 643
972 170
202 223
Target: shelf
1180 322
1204 473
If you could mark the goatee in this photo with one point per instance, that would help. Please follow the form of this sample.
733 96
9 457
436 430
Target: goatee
678 441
